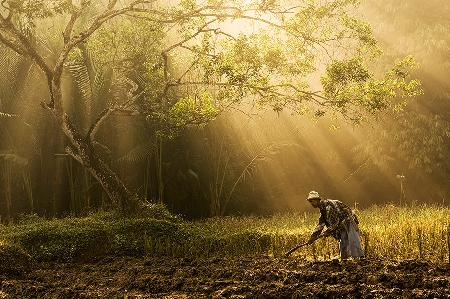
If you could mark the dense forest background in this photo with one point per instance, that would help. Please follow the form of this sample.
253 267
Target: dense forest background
244 161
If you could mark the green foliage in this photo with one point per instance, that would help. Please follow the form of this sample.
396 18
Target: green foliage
39 8
431 150
413 139
72 240
83 239
187 65
197 110
362 31
158 212
131 236
418 140
270 66
127 43
349 84
342 73
14 260
29 219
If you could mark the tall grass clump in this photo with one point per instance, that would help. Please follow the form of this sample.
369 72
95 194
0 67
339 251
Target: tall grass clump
407 233
387 232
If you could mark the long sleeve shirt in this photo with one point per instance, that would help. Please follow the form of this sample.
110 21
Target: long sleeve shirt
333 215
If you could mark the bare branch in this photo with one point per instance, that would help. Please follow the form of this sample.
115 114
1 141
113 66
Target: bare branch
187 70
69 27
7 115
107 15
165 57
197 51
106 113
25 48
16 48
199 30
98 122
221 32
261 90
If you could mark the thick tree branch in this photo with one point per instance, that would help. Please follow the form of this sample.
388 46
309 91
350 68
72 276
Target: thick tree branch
71 152
107 15
25 47
69 27
106 113
10 44
98 122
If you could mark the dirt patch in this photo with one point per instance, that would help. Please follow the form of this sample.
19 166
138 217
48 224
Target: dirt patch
238 277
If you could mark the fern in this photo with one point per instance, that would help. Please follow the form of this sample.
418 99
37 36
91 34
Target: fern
102 83
78 69
9 64
139 153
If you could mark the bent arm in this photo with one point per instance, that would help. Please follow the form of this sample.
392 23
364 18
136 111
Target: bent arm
319 227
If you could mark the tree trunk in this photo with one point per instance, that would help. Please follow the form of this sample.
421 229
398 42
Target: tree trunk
82 150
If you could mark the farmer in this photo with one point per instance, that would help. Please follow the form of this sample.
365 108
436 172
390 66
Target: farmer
341 223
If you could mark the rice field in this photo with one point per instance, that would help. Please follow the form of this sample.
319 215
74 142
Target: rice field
387 232
224 257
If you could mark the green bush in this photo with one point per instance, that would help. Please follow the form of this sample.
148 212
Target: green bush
49 241
159 212
13 259
99 234
144 236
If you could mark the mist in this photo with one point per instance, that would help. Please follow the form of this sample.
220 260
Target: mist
247 159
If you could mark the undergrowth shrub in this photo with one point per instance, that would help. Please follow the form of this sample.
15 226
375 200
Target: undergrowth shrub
145 236
13 259
63 241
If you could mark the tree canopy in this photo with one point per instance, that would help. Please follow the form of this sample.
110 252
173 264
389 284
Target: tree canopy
178 64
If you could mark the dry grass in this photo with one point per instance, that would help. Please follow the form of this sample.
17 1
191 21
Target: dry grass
388 232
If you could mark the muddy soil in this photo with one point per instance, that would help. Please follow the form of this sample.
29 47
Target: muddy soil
243 277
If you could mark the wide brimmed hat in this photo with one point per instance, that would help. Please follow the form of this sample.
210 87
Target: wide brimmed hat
313 195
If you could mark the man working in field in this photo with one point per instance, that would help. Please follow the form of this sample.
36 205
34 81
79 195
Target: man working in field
341 223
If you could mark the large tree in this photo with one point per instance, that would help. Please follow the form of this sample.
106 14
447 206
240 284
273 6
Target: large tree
184 63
